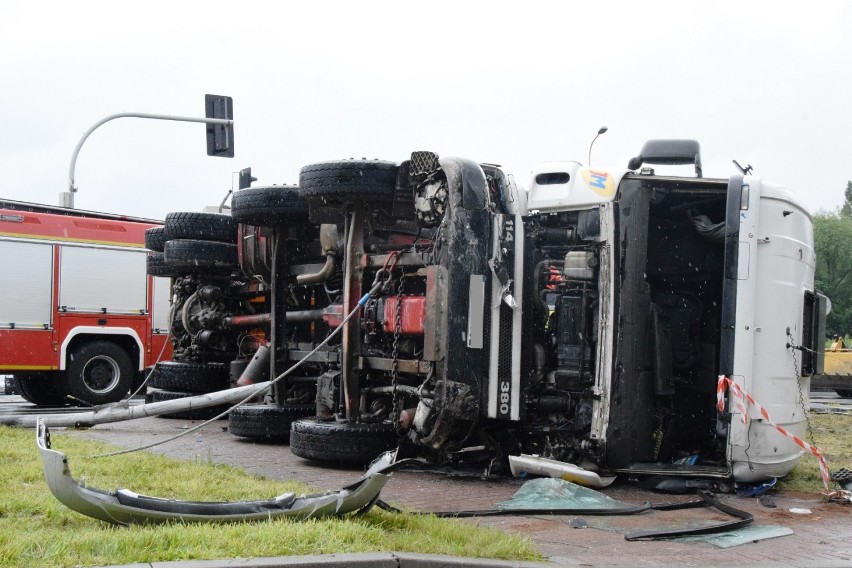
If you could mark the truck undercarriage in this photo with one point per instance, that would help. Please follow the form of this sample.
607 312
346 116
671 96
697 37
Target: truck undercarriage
474 325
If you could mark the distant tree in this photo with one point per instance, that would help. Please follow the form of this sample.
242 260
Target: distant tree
833 245
846 210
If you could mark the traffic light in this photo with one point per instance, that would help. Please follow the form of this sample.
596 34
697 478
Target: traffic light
220 137
246 178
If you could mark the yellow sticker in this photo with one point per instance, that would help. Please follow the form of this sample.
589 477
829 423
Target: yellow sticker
599 181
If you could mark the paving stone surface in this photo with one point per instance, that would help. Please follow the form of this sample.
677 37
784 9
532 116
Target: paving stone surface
823 538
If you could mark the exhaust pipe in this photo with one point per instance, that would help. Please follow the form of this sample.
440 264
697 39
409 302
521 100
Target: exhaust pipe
256 368
331 250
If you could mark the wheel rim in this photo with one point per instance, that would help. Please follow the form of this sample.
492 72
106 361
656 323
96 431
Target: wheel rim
101 374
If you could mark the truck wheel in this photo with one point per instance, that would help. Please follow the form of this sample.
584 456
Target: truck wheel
844 393
155 239
205 226
353 180
42 391
190 377
207 413
266 421
341 442
98 372
271 206
155 265
186 254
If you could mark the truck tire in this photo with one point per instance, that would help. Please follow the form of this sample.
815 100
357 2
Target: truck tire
341 442
98 372
41 391
198 378
155 265
204 226
198 255
155 239
266 421
352 180
273 206
155 395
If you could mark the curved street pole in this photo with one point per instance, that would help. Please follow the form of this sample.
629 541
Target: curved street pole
72 189
600 131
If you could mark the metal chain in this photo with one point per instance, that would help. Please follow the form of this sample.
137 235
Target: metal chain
791 343
397 403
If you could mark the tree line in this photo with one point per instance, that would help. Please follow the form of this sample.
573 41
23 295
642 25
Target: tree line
833 245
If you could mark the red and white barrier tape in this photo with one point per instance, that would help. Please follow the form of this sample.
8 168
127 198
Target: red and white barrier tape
740 399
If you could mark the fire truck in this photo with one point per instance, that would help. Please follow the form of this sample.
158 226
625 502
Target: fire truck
79 315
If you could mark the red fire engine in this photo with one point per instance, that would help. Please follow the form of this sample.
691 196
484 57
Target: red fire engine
79 316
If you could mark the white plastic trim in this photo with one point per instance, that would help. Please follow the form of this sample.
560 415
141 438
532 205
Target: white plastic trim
93 330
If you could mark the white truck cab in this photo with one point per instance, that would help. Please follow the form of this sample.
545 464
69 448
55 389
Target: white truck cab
695 278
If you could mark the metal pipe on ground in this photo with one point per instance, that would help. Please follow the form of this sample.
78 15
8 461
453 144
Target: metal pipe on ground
120 411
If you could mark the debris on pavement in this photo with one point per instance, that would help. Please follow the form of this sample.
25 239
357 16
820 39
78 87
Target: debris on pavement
126 507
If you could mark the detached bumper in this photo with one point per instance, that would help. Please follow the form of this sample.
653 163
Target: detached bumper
126 507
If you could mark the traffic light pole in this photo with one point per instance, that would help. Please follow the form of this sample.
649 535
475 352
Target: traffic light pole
67 198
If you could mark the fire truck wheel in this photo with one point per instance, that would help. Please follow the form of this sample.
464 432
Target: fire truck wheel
155 395
353 180
206 226
278 205
190 377
155 265
98 372
197 255
341 442
265 421
43 391
155 239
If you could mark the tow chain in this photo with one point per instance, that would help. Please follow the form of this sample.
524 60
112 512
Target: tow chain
792 345
397 403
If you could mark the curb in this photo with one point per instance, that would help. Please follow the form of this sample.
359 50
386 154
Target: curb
365 560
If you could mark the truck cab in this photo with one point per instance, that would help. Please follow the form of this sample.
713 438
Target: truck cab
694 279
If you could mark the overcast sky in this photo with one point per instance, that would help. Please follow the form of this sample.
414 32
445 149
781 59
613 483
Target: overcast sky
512 83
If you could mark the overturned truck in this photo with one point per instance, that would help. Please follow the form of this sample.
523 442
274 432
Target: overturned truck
587 319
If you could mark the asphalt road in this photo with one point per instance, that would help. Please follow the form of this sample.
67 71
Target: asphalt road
829 401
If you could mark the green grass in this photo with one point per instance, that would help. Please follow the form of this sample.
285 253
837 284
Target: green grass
37 530
833 437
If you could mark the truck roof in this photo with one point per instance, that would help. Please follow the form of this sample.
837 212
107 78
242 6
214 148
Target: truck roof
56 210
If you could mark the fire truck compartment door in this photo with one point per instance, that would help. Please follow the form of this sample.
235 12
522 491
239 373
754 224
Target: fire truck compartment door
26 280
102 280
